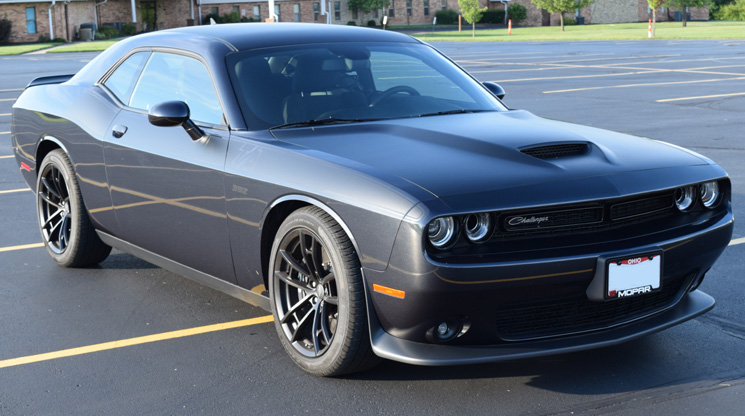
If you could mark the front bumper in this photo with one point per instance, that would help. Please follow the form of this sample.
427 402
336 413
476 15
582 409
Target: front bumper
483 294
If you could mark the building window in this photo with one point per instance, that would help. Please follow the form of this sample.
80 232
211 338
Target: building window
426 7
257 13
214 11
408 7
355 15
276 11
237 10
444 4
392 11
375 13
316 11
296 11
337 10
31 20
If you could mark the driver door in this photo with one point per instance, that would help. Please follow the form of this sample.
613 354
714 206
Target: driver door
167 189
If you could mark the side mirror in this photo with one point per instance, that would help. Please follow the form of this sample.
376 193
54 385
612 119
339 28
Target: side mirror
174 113
495 89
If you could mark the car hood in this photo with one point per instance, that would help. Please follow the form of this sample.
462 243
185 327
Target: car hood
480 152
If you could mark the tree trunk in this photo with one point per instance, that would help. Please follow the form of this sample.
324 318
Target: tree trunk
654 21
561 18
685 15
473 28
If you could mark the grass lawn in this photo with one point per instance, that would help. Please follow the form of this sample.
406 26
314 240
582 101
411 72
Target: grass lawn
93 46
19 49
622 31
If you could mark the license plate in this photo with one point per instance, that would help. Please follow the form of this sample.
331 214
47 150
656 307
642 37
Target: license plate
634 276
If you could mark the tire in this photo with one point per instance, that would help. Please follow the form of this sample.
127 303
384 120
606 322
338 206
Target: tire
65 227
317 296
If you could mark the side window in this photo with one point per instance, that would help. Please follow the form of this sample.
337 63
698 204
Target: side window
169 77
122 81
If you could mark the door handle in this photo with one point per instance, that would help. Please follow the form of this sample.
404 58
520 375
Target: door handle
118 131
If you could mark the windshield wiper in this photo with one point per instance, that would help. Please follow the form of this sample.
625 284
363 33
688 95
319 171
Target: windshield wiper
442 113
321 122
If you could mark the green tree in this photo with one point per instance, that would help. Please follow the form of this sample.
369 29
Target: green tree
471 12
655 5
683 6
367 6
561 6
732 11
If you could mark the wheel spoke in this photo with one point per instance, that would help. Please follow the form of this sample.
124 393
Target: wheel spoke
324 324
314 332
51 218
286 279
293 263
64 232
51 190
295 308
48 200
328 278
334 300
59 180
55 226
308 255
303 322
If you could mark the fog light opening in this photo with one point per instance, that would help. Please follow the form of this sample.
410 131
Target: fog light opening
450 329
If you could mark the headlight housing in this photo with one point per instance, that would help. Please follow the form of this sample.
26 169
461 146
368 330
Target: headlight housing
709 194
441 232
478 227
684 197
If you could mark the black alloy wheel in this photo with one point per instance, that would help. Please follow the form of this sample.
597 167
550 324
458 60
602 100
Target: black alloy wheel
317 295
63 221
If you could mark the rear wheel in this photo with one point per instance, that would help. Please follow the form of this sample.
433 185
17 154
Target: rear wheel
65 227
318 297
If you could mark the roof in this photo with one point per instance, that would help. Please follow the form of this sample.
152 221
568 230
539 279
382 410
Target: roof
244 36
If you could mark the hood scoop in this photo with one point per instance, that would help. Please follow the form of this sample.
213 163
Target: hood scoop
557 151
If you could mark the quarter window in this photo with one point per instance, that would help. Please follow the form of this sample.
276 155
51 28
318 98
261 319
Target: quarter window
122 81
169 77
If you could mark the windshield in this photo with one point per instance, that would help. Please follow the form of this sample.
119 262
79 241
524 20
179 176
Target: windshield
350 82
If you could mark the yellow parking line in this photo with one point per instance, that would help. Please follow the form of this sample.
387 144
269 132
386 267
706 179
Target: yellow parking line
6 157
21 247
700 97
133 341
644 85
12 89
737 241
8 99
10 191
4 132
4 114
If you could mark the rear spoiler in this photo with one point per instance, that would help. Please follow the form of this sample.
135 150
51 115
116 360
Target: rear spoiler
54 79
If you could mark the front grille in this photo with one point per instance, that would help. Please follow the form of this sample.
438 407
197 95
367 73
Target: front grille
556 151
553 219
570 317
640 207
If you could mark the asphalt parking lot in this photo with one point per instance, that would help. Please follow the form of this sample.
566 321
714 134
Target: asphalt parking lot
129 338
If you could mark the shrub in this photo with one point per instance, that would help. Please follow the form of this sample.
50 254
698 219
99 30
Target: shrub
100 35
129 29
446 17
107 32
570 21
732 11
5 27
44 39
59 40
351 23
371 23
517 13
492 16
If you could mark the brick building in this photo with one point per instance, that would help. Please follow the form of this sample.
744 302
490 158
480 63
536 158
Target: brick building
33 19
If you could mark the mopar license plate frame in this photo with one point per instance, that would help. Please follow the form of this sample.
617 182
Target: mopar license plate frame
631 276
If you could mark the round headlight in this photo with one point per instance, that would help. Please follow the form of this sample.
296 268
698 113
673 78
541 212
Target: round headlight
477 226
709 194
441 231
684 197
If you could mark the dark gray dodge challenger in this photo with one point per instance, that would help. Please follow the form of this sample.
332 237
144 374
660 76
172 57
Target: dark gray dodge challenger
379 200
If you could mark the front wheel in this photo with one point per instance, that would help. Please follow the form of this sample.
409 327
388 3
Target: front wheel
317 295
65 227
